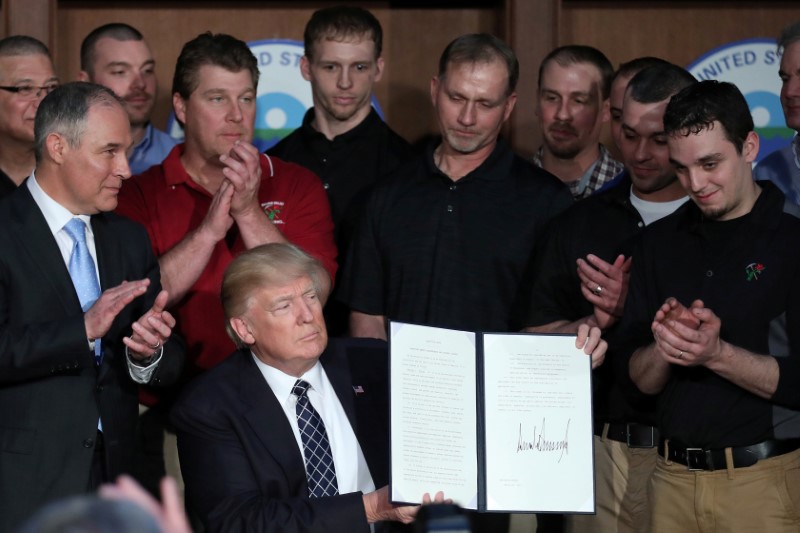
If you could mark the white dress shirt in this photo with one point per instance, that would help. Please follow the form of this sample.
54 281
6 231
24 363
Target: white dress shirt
57 216
352 473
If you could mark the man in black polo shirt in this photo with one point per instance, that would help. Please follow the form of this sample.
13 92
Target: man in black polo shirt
342 139
565 295
727 368
445 242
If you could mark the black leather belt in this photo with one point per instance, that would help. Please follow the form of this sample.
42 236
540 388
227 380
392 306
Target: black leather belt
634 435
743 456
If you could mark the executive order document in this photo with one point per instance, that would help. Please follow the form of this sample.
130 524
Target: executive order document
499 422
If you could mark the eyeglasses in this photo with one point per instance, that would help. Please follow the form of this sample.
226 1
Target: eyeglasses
30 92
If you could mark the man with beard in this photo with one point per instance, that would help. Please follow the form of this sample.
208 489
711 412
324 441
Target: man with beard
26 76
117 56
574 87
782 167
581 278
727 368
446 240
342 138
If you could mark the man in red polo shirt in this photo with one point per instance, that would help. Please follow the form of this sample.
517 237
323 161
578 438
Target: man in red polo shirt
215 195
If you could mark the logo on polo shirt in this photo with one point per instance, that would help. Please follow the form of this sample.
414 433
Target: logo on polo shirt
273 211
753 270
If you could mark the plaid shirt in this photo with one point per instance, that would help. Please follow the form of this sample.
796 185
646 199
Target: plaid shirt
604 169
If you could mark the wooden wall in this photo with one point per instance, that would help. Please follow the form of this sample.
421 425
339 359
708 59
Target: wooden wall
413 40
678 31
416 31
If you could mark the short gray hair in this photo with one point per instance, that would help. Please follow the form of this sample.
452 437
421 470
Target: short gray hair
66 110
266 266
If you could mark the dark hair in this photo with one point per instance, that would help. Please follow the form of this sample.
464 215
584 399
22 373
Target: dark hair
659 82
339 23
698 106
115 30
480 48
789 35
634 66
577 53
22 45
65 111
217 49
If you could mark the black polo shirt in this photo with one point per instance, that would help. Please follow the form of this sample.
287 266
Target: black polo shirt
601 225
746 271
347 165
451 254
7 185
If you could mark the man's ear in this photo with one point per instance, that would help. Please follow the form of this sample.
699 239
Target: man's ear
305 68
55 147
242 330
84 76
605 110
179 106
750 147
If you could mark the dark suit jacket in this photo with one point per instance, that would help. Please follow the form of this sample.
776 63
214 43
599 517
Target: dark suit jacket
51 391
240 461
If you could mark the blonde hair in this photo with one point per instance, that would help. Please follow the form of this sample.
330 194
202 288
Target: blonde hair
267 266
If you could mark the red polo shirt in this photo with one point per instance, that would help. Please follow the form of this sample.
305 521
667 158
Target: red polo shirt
170 204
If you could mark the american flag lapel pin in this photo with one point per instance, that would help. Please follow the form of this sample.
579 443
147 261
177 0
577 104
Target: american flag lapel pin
358 389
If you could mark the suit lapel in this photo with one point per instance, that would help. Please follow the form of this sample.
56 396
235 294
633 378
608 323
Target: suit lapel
267 419
109 270
337 368
109 254
37 241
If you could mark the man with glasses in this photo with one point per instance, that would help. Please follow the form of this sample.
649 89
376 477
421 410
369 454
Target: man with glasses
26 76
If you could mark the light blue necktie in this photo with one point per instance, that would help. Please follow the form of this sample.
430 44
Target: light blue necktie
83 273
320 470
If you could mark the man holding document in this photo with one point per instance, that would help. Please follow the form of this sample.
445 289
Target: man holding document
445 242
289 433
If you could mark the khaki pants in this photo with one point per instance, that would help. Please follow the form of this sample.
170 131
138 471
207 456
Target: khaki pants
622 475
764 497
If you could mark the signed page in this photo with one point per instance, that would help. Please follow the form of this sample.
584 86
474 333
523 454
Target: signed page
433 419
538 408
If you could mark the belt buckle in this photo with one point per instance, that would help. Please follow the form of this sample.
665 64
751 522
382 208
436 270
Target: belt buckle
694 456
628 437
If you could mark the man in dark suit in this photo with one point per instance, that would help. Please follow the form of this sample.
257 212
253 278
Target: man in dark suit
70 356
247 456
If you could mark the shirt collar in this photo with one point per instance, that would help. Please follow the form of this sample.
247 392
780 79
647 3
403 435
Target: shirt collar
54 213
174 172
282 383
766 212
362 129
496 167
146 141
796 149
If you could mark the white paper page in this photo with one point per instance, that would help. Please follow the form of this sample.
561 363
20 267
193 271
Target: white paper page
539 448
433 414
